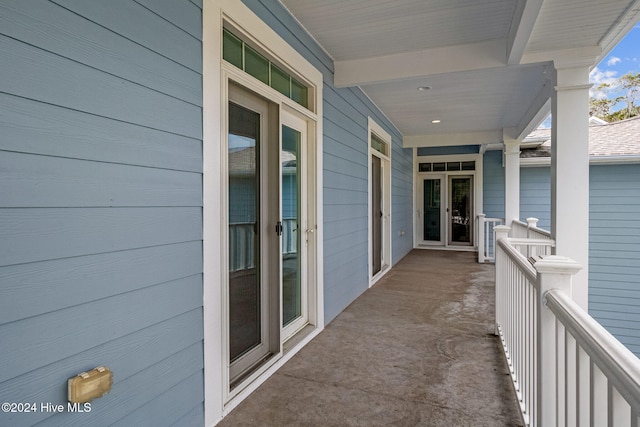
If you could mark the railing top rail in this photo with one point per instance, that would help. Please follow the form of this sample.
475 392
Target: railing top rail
519 259
487 219
531 242
541 231
617 362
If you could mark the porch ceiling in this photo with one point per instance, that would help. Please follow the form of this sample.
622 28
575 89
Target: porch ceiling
487 62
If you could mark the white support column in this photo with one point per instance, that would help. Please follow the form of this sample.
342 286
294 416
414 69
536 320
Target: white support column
511 180
570 172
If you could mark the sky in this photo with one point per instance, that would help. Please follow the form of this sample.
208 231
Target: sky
623 59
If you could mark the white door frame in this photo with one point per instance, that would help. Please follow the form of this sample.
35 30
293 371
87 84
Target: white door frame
385 176
478 206
216 72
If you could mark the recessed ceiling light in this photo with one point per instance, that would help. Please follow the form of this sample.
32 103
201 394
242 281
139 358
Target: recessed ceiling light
424 88
435 121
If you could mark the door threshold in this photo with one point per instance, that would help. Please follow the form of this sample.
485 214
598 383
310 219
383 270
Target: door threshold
447 248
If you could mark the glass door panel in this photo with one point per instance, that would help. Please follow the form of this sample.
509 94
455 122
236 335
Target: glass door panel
461 217
432 213
244 241
292 291
376 214
250 260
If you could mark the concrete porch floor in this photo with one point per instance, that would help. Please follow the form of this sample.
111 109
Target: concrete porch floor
417 349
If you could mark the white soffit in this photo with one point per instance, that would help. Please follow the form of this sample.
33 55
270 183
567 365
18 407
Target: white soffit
471 53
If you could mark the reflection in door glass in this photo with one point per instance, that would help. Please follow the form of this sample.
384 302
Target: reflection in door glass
291 235
461 210
244 259
431 217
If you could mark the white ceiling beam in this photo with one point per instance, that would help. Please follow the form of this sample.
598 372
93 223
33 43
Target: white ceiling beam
565 58
453 139
407 65
521 29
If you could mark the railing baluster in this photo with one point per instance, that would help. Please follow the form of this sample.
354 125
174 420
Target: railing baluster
584 388
571 387
598 397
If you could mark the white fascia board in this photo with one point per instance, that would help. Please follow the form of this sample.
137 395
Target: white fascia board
453 139
531 162
519 37
614 160
407 65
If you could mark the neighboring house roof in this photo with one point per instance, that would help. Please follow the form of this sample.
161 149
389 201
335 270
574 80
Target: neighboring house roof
620 138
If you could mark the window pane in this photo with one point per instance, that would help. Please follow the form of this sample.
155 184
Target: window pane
453 166
438 167
468 166
232 49
378 144
280 81
424 167
256 65
299 92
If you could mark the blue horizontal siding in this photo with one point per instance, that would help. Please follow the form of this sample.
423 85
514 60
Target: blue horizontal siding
447 151
32 289
614 250
73 85
150 345
44 181
30 235
493 181
101 207
33 127
535 195
52 28
134 22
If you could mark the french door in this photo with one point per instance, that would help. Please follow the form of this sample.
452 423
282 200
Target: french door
267 230
446 211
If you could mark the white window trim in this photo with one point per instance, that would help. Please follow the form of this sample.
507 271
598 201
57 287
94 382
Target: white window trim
215 12
376 129
478 183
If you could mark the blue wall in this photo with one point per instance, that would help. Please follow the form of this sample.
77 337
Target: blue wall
445 151
493 178
535 195
101 207
614 242
346 113
614 250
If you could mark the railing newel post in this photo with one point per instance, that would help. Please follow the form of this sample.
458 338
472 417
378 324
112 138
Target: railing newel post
501 232
481 233
553 272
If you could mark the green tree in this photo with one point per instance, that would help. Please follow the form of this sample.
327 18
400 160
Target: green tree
630 83
627 89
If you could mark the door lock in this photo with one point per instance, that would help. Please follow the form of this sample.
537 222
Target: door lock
279 228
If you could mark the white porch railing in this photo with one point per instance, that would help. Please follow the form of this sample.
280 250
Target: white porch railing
486 238
532 241
567 370
242 241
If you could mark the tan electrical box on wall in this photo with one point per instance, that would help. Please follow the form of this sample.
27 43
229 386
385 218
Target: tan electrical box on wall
87 386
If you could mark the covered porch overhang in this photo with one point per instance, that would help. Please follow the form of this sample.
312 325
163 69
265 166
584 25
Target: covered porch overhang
482 74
